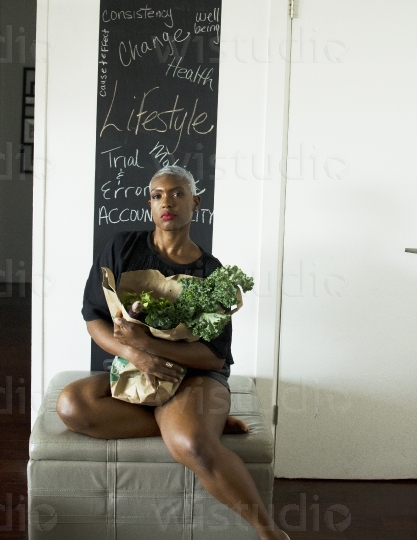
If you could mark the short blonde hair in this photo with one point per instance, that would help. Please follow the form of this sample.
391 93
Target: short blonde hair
178 172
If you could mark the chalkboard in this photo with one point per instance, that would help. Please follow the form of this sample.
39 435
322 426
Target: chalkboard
158 71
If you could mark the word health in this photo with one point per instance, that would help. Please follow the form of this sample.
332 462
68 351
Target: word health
141 13
169 120
184 73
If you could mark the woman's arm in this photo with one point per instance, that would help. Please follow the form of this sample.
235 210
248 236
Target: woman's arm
194 354
102 333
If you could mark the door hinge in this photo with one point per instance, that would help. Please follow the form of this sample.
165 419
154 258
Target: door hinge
275 415
293 9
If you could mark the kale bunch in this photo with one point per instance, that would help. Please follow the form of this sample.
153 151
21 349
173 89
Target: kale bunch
203 304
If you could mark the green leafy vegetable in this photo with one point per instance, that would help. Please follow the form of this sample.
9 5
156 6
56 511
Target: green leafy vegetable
202 304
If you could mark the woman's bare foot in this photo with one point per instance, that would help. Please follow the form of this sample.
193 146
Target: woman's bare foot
235 426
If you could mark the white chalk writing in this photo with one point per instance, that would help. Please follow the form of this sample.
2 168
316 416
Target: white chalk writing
161 155
201 216
104 49
115 215
132 52
172 119
116 160
111 192
141 13
208 28
184 73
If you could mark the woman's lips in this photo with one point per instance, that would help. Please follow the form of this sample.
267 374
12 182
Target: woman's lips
167 216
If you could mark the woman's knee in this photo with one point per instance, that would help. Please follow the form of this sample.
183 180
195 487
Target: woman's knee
195 450
78 404
73 409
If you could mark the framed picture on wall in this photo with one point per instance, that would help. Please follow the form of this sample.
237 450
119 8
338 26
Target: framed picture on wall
28 121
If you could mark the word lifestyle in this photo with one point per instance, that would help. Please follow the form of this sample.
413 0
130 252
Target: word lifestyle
170 120
184 73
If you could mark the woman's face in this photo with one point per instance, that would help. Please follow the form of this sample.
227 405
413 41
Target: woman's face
172 203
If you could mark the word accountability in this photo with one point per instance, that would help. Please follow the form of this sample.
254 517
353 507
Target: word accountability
172 119
184 73
116 215
141 13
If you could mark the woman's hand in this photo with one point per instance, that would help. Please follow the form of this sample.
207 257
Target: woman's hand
151 364
134 337
130 334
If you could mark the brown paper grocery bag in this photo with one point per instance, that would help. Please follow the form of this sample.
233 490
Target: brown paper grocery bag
129 384
126 381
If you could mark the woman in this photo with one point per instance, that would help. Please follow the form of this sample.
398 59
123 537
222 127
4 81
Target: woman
191 423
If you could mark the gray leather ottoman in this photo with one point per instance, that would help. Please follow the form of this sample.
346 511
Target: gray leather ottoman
81 488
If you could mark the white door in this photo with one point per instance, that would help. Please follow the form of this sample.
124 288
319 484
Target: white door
348 355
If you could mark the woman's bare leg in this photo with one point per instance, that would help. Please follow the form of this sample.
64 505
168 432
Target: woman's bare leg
191 425
86 406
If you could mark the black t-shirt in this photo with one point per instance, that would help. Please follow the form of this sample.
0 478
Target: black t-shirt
128 251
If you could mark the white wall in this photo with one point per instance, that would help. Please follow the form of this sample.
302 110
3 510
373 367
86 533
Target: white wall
65 160
63 185
249 197
347 366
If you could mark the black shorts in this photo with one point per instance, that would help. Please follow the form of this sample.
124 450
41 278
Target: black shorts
221 376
